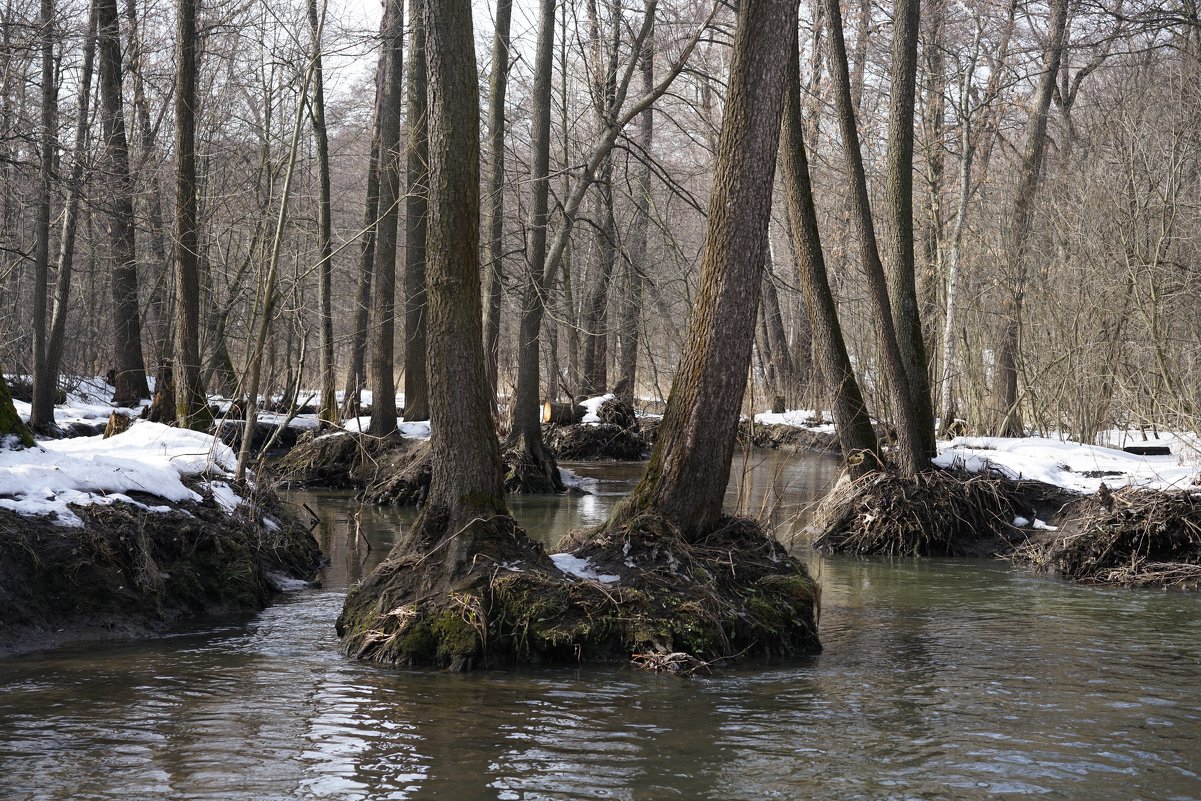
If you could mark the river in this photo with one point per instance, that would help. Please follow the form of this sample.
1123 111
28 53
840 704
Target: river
940 679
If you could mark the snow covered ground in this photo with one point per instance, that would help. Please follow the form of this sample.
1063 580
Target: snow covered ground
149 457
797 418
1073 465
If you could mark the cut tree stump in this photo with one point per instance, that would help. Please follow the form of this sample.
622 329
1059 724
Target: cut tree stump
1148 450
561 414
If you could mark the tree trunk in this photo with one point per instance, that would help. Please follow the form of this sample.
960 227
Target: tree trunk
912 452
356 374
855 433
1008 421
495 194
417 180
11 425
41 415
325 309
191 404
128 363
79 156
383 307
686 479
631 308
902 277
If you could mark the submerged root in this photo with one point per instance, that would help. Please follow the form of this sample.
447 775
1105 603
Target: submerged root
735 592
936 513
1130 537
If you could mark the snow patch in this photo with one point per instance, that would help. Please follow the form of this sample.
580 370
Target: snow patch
592 407
580 568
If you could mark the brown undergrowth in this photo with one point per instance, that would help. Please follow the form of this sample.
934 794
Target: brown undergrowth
734 593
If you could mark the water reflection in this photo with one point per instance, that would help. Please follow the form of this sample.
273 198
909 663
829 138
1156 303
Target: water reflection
940 679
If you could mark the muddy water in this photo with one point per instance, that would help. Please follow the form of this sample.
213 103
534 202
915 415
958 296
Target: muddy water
940 680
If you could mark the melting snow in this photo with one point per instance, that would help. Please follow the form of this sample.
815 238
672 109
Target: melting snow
580 568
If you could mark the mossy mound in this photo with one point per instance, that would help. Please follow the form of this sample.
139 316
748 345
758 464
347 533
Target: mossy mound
130 571
1131 537
734 593
339 460
402 476
936 513
589 442
785 436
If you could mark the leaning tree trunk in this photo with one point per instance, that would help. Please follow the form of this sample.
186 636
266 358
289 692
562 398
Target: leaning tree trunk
1008 420
325 312
686 479
356 373
902 277
464 531
191 406
383 307
41 414
127 327
494 225
859 445
417 180
913 453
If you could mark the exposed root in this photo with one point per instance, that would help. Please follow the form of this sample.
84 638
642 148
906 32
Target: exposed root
736 592
1130 537
341 459
936 513
587 442
402 478
531 469
677 662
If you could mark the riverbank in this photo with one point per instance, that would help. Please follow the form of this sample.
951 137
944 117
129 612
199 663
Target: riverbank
126 536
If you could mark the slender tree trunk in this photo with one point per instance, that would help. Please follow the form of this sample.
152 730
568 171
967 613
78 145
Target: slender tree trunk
631 313
912 453
356 374
686 479
494 209
191 405
773 321
41 415
417 180
855 433
1009 419
383 307
127 327
79 156
902 277
325 271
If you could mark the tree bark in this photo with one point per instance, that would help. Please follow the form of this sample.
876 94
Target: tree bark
383 307
417 180
325 310
1008 420
356 374
41 415
191 404
495 195
686 479
858 440
11 426
127 327
913 455
902 277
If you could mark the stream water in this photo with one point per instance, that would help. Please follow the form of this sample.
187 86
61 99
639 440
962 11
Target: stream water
940 680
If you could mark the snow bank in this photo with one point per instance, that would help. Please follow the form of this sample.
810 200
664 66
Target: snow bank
149 457
1071 465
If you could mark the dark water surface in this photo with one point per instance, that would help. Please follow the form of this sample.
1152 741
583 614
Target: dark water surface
940 680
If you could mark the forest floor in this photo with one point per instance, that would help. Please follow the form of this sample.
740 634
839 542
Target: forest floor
125 535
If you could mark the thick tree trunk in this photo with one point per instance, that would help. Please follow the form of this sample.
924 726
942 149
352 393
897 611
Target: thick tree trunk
855 433
13 430
494 209
356 373
1008 419
325 310
383 307
913 454
417 181
686 479
902 275
191 404
42 412
127 327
